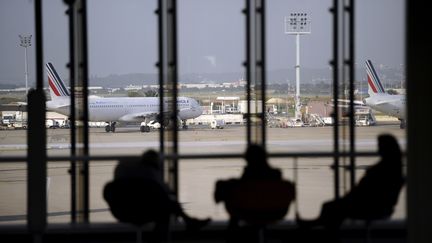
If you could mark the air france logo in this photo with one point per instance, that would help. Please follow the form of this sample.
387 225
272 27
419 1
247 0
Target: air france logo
183 101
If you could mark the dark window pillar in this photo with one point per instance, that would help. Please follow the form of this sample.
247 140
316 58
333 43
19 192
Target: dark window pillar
419 132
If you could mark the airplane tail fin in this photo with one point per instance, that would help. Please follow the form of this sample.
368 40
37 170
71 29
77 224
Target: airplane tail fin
57 87
374 83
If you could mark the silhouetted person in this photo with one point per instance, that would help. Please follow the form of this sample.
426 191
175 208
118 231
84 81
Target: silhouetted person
257 167
258 178
148 169
373 197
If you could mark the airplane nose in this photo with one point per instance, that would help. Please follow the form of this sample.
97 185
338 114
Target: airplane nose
199 109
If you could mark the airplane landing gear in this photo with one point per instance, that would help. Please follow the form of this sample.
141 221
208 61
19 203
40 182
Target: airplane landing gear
145 129
184 126
110 127
403 124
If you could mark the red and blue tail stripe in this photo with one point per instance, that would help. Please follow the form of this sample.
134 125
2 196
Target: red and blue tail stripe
373 79
56 84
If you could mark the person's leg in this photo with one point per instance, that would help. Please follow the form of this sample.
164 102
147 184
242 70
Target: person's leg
332 215
233 231
191 223
161 229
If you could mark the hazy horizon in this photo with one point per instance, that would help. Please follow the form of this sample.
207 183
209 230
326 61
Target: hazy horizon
123 36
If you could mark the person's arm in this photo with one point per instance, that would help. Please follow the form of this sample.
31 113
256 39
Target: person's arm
368 185
118 171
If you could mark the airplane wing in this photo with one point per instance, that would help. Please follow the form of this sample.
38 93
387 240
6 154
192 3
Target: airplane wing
344 101
51 107
384 99
139 116
381 102
61 106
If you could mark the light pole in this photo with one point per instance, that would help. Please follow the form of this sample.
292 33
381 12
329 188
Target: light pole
25 42
297 24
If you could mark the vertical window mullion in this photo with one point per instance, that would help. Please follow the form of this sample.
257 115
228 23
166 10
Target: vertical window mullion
335 65
173 81
72 116
255 71
83 65
350 63
168 80
80 68
36 142
247 64
260 66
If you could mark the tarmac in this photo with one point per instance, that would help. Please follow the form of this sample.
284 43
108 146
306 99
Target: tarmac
197 177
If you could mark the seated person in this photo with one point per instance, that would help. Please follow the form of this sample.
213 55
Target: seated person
260 175
373 197
148 167
257 168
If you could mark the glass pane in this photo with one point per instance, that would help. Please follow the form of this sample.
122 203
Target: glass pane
101 172
310 23
380 39
313 180
56 52
17 72
197 185
13 193
210 57
17 67
122 54
58 192
380 75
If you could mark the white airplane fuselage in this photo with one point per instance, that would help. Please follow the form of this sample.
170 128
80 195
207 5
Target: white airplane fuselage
128 108
393 105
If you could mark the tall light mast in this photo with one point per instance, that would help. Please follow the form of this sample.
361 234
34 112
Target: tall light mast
25 42
297 24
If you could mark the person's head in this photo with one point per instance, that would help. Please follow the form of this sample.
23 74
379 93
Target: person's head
388 147
151 158
256 155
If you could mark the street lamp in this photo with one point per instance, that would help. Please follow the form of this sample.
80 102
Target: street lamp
25 42
297 24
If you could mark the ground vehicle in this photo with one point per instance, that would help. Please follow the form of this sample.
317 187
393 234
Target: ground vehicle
145 127
217 124
20 125
328 120
7 120
364 120
295 123
52 123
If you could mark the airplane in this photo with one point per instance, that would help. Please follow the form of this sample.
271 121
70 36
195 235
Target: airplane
393 105
118 109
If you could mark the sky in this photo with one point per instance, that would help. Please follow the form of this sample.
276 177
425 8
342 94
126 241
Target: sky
211 37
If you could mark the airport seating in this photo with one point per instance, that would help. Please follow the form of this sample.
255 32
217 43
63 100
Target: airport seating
138 202
255 203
